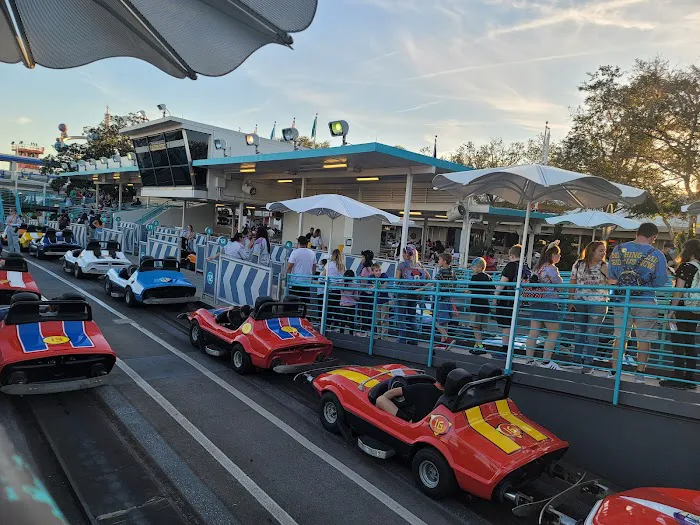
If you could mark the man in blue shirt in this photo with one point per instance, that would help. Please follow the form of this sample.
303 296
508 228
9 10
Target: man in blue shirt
637 264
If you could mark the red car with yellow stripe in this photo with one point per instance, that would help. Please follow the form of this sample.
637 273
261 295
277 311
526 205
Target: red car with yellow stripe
51 346
475 438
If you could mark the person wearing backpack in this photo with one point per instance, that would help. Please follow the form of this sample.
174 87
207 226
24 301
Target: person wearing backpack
408 270
637 264
685 350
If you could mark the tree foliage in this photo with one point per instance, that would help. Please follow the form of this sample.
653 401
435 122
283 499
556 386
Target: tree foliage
109 142
306 142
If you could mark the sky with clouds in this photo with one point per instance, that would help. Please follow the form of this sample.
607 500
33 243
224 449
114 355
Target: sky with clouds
400 72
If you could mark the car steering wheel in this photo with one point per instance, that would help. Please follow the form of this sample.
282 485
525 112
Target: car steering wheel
397 382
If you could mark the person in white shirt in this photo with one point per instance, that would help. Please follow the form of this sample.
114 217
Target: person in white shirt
301 262
317 240
234 249
13 221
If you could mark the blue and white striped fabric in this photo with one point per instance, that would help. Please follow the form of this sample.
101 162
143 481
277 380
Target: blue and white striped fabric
279 253
159 249
80 234
165 237
168 230
111 235
241 282
52 224
34 222
204 251
132 236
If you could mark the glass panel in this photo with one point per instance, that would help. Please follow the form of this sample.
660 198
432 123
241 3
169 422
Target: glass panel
200 176
144 160
173 135
181 176
178 156
164 177
148 177
199 144
138 143
159 156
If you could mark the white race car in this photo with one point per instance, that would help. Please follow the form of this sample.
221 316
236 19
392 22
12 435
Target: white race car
96 259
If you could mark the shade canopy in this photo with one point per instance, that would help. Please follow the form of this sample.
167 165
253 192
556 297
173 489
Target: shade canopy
531 183
333 206
183 38
691 208
632 195
595 219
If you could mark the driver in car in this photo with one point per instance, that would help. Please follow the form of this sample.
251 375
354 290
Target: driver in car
419 399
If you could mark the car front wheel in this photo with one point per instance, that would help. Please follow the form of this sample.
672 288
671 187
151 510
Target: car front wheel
108 287
196 336
129 298
240 360
77 272
331 412
433 474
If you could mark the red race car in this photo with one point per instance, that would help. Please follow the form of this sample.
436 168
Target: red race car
475 438
15 278
51 346
272 334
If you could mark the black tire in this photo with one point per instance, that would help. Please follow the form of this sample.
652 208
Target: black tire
38 254
433 474
108 286
240 360
129 298
196 335
331 412
77 272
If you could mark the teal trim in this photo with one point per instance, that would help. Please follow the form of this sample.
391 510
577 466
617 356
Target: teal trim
508 212
123 169
354 149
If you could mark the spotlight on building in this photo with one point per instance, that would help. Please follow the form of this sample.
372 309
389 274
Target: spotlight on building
339 128
221 144
291 135
164 109
252 139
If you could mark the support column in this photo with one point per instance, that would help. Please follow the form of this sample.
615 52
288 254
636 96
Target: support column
241 207
530 247
464 238
184 210
120 197
97 195
580 243
406 210
301 215
148 202
423 236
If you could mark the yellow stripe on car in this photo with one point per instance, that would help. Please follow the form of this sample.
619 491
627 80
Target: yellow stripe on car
356 377
476 420
505 412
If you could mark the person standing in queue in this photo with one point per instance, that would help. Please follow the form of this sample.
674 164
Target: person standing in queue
13 222
261 246
301 266
234 249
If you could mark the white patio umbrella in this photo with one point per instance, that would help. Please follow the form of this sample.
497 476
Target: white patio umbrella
525 185
631 195
595 219
333 206
691 208
184 38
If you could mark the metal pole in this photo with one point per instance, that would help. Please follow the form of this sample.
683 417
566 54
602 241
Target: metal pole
240 216
324 306
530 247
374 317
301 215
424 236
97 195
233 219
148 202
580 243
406 210
465 238
431 345
593 236
120 197
184 210
516 299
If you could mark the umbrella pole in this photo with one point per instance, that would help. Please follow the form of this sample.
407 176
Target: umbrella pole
593 236
516 299
324 304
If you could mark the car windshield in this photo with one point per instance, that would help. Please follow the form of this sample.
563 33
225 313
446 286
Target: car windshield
482 391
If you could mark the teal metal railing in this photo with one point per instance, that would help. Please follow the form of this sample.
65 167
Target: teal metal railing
610 332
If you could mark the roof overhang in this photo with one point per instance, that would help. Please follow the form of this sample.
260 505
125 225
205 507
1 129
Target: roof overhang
107 171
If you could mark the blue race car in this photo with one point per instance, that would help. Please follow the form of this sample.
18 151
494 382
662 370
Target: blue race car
154 281
53 243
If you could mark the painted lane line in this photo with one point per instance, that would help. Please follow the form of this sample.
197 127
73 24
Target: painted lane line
349 473
253 488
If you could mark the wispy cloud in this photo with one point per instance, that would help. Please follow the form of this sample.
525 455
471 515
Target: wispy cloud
23 120
420 106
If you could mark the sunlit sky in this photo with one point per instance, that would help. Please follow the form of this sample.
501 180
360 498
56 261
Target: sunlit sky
400 72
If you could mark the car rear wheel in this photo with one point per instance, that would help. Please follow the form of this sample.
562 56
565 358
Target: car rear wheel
196 335
77 272
108 286
331 413
240 360
129 298
433 474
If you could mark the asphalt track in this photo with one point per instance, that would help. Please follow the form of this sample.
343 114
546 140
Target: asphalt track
175 436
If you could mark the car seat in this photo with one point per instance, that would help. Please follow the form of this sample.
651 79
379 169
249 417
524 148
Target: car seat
24 296
67 235
259 303
171 263
31 228
74 310
94 247
51 235
24 310
113 247
383 387
456 380
147 263
14 262
23 226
